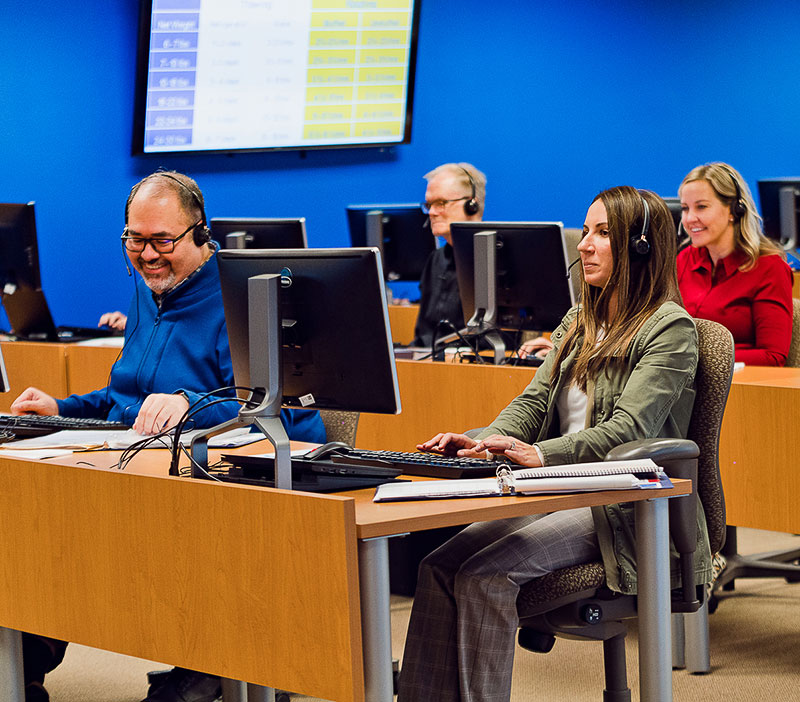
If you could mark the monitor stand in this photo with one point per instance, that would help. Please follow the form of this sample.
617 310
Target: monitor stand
482 325
266 380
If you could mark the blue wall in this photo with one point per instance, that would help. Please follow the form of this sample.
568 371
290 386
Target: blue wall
553 102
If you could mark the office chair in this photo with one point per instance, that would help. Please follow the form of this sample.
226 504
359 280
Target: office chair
560 603
340 425
572 237
771 564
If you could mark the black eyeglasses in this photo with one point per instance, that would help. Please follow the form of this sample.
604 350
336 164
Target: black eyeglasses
428 206
160 244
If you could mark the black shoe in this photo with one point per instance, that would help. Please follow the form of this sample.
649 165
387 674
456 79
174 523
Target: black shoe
182 685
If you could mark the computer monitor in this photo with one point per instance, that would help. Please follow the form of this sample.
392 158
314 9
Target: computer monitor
512 275
779 209
4 384
19 254
259 232
336 351
674 207
401 233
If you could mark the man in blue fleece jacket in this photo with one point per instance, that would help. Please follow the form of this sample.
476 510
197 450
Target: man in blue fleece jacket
176 342
175 350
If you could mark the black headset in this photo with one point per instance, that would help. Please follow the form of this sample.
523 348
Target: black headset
738 208
640 246
471 206
201 233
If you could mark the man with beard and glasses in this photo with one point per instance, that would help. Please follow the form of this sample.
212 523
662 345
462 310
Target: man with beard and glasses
175 351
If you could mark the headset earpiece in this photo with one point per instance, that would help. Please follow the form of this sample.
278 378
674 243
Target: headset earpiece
201 234
639 245
471 206
738 208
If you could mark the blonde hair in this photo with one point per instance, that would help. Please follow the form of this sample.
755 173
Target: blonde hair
730 188
641 284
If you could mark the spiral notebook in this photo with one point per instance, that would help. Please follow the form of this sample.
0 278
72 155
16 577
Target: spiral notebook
641 474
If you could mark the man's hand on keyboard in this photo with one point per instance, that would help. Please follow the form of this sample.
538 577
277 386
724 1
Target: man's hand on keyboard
449 444
34 401
160 412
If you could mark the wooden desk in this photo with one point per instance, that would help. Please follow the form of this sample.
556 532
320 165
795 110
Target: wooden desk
441 397
227 579
402 320
758 449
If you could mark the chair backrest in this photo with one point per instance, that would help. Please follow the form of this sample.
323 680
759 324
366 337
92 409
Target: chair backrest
793 359
572 237
713 381
340 425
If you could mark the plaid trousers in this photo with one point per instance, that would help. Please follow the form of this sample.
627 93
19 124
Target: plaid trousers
462 631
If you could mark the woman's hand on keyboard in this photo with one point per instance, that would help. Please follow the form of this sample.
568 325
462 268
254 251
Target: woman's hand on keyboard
514 449
34 401
449 444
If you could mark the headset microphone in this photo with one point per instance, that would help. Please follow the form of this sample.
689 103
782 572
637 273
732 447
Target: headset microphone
572 265
426 223
127 262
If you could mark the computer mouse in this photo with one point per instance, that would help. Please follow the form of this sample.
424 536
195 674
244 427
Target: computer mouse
327 450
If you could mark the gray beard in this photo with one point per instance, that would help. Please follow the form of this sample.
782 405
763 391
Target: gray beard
160 285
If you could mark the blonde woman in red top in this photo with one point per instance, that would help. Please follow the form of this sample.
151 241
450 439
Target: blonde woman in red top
731 273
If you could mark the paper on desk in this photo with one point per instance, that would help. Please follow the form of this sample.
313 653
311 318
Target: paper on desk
93 439
36 454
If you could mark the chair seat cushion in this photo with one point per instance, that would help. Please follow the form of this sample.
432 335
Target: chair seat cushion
559 584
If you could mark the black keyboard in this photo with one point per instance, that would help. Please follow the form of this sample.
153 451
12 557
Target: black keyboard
417 463
311 476
28 425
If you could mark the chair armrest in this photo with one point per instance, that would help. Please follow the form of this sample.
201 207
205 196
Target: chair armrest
678 458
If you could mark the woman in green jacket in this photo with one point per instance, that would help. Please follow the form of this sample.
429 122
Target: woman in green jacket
622 368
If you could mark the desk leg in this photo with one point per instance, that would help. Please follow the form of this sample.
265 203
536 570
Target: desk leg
373 575
12 683
655 635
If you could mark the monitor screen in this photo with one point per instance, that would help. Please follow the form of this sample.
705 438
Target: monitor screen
401 232
779 209
336 351
4 385
19 254
533 290
215 75
259 233
674 207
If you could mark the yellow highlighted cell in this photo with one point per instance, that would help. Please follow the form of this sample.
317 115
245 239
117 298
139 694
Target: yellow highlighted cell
325 57
332 20
326 96
389 20
379 93
381 75
328 113
330 75
379 129
327 131
379 112
360 5
384 38
390 57
332 40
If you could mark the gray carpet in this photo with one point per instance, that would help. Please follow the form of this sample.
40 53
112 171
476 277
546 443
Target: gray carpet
755 639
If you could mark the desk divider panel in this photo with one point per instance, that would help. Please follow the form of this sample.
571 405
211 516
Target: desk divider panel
247 583
34 363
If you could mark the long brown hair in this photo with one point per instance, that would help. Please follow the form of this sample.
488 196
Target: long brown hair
642 283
